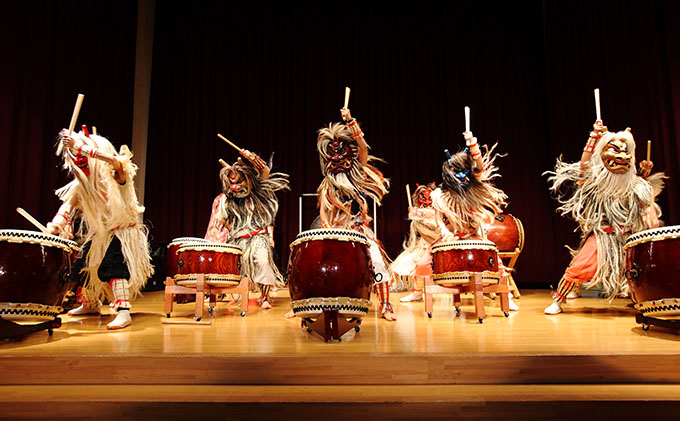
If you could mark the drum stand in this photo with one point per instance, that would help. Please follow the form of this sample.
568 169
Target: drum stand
646 322
512 255
9 329
202 288
474 286
329 325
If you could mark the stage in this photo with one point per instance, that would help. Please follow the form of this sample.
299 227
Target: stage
530 364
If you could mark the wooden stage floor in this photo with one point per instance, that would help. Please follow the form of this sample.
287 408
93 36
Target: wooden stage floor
594 354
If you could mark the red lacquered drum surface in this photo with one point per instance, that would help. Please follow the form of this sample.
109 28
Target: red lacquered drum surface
507 232
33 274
454 263
330 269
653 269
171 257
219 262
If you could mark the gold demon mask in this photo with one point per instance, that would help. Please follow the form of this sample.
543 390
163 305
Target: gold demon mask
615 156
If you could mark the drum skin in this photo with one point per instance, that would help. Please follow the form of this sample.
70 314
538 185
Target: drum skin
507 232
207 260
329 268
652 267
33 273
171 257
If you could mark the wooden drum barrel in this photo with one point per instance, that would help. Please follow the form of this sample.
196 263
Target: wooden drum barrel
652 268
172 258
330 269
34 270
506 232
454 263
221 264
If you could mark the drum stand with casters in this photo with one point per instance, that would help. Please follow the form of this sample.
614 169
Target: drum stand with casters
474 286
330 324
646 322
202 288
10 329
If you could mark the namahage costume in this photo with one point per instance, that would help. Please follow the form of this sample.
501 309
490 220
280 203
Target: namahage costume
245 214
422 233
609 202
116 249
349 179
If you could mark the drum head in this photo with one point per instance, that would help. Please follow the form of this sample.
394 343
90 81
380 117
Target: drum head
208 246
36 237
338 234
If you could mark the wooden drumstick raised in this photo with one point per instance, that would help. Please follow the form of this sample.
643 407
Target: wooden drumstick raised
224 164
94 130
32 220
408 196
76 111
649 150
346 96
227 140
597 104
467 119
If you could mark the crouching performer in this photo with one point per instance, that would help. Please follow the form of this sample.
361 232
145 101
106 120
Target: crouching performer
116 249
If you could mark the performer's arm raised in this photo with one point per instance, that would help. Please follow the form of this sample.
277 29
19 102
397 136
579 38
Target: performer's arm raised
79 148
599 129
258 162
476 153
357 134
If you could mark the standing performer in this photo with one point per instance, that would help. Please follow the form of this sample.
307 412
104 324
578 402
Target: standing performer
245 213
610 201
348 181
467 199
422 233
117 247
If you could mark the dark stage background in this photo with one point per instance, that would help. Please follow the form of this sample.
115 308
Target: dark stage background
268 77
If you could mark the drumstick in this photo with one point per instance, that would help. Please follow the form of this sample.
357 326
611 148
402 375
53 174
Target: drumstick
32 220
346 96
408 196
467 119
227 140
649 150
224 164
597 104
94 130
76 111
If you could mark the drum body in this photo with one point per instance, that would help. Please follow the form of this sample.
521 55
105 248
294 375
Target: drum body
221 264
506 232
454 263
330 269
34 270
652 268
171 257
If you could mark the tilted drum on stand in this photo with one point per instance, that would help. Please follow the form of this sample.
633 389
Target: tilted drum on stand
330 276
34 270
652 267
507 232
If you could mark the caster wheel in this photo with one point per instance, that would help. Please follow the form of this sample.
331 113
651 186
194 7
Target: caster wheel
481 320
198 319
243 314
50 332
457 310
645 326
210 309
506 314
339 339
358 322
167 315
357 329
309 330
429 315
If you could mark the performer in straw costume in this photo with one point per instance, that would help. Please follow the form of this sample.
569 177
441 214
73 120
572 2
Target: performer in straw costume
467 198
117 248
422 233
349 179
609 202
244 213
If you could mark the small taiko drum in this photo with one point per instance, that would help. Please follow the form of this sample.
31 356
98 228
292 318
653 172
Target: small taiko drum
330 269
506 232
220 263
171 257
34 270
454 263
652 268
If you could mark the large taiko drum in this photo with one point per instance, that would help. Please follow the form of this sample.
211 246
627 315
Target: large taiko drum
220 263
454 263
330 269
652 268
34 270
507 232
172 258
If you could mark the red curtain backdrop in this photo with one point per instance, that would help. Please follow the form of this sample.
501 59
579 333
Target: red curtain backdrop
269 77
